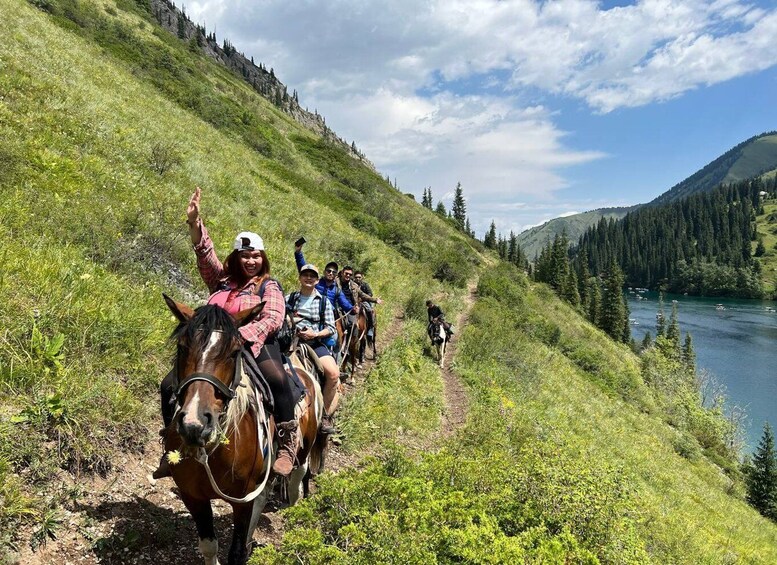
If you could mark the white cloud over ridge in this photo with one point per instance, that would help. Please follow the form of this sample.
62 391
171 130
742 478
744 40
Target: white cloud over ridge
444 91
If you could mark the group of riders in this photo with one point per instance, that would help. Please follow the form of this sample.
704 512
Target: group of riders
243 281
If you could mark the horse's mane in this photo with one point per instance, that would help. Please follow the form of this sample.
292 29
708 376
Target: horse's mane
207 319
195 333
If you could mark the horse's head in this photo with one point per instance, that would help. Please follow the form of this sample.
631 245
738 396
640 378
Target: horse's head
208 345
437 332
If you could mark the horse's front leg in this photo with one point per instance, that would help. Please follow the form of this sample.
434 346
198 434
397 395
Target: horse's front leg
245 517
203 517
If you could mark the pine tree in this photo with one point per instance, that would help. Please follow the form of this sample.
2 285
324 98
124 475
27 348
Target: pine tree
569 291
660 318
459 207
647 341
689 355
612 311
673 330
468 228
594 307
762 476
490 239
426 202
440 210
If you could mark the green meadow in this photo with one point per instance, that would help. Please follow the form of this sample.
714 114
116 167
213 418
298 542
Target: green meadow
569 455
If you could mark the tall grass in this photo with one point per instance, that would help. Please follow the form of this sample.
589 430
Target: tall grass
108 124
556 463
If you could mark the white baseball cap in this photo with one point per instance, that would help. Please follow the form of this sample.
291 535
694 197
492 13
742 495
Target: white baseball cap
248 241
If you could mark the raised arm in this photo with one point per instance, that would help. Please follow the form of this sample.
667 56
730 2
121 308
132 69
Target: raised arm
211 269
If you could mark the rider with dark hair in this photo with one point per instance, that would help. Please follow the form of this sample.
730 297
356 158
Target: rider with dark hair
364 286
241 282
436 314
327 284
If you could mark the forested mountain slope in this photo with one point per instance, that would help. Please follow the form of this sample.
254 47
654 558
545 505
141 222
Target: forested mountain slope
108 122
705 244
753 157
534 239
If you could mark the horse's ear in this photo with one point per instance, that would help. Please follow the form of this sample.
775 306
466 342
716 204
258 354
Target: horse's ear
181 311
246 316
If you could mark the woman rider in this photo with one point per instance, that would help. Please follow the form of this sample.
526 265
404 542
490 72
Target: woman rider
306 309
235 286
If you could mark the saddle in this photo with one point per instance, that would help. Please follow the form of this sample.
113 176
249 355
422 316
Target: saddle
251 369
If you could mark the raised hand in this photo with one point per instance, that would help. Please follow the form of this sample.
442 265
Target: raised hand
193 209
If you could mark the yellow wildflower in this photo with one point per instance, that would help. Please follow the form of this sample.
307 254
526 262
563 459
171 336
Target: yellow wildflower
174 457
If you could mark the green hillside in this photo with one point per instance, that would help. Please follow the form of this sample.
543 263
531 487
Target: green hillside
534 239
751 158
573 451
754 157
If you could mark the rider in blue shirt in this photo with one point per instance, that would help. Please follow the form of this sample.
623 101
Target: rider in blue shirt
327 285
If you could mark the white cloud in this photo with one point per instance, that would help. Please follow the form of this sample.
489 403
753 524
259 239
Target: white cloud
444 91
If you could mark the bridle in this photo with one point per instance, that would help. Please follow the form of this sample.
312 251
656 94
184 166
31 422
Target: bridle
228 392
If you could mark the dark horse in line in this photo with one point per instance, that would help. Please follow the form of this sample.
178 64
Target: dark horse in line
357 341
221 439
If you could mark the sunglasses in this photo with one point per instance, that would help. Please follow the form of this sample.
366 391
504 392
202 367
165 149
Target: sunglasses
330 271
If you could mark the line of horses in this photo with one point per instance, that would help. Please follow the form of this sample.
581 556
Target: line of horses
220 440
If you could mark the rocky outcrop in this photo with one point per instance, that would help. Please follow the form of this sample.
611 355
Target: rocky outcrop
175 20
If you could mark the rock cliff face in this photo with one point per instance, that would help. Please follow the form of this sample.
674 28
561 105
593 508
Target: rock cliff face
263 81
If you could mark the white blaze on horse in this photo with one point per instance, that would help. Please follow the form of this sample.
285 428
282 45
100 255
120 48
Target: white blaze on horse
439 339
221 433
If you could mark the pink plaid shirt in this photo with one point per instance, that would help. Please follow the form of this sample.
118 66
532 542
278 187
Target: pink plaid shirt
269 320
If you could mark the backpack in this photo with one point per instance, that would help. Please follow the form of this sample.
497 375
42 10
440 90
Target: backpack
285 334
292 304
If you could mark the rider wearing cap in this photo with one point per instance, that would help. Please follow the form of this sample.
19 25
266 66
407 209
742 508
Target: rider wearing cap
235 285
327 284
306 309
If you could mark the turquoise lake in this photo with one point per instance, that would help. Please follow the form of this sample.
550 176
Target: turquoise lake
736 342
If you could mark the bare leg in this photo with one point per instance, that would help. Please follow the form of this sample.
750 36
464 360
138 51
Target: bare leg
331 384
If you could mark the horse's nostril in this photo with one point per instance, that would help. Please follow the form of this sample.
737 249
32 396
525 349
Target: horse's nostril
208 417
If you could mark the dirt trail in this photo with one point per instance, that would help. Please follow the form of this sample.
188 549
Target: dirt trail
127 519
456 401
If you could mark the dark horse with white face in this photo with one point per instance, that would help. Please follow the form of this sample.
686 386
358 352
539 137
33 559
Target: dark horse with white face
220 430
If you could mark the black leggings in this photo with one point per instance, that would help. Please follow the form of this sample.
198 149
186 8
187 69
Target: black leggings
270 364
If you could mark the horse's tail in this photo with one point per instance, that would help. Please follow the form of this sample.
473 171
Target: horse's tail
318 454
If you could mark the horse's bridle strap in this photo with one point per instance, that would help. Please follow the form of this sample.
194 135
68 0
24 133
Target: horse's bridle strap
210 379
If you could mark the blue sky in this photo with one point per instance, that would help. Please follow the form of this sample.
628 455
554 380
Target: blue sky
539 109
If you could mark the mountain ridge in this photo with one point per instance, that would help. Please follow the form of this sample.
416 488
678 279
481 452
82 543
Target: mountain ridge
753 157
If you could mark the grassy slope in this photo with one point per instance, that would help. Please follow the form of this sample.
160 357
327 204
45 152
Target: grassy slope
556 464
767 228
757 158
91 234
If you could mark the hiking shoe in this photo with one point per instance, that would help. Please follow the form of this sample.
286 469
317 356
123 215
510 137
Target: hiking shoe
287 448
327 425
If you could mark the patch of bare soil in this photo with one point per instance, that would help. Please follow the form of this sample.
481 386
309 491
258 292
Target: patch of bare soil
127 518
456 401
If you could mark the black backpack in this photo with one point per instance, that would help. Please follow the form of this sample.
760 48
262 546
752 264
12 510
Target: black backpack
285 334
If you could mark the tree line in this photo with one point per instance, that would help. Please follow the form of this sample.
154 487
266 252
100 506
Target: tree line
700 244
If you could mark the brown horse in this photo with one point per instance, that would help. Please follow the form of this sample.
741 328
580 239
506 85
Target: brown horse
220 432
353 344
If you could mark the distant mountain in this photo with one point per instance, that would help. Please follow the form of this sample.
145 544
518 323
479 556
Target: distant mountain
753 157
534 239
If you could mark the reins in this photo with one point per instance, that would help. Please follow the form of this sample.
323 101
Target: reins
229 393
